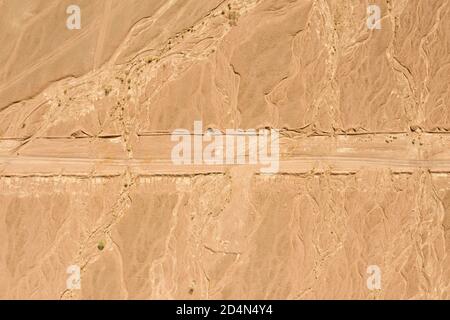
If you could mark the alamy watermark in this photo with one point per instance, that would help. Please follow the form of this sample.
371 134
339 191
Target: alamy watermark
235 146
73 21
374 279
374 18
74 279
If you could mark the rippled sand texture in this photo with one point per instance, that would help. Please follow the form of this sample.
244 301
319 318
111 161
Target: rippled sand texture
86 176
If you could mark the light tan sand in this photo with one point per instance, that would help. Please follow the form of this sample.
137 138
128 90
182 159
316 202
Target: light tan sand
86 177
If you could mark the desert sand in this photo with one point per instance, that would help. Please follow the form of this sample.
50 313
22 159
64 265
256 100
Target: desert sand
87 179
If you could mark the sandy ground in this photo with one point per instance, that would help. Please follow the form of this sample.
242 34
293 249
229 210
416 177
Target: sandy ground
87 179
